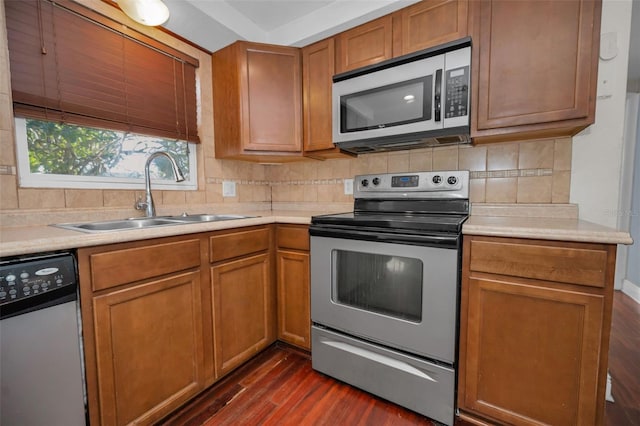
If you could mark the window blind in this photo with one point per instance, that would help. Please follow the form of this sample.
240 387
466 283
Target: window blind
73 65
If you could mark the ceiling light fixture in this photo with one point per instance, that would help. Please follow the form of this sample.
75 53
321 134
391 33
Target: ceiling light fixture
146 12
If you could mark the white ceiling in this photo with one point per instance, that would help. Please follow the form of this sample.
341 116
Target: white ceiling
213 24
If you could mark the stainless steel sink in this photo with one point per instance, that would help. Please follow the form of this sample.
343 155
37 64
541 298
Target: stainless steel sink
147 222
206 217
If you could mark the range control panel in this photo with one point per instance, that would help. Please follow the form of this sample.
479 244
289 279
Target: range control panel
419 185
27 278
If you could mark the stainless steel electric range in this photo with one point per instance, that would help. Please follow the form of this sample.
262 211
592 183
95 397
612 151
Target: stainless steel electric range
385 283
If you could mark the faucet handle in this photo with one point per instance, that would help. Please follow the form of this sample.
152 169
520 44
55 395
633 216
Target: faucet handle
140 204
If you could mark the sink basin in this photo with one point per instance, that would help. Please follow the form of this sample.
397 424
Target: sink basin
147 222
206 217
117 225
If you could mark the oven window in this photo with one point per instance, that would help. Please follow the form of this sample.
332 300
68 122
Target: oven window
392 105
384 284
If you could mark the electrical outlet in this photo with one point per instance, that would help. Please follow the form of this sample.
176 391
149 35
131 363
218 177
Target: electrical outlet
348 187
228 188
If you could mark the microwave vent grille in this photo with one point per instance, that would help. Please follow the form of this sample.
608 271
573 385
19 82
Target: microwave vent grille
365 147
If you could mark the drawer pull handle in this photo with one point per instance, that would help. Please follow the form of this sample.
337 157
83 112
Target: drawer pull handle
379 358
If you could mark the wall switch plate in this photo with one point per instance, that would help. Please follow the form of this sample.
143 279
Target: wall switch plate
228 188
348 187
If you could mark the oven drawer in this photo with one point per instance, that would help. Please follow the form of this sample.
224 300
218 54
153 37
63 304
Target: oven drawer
408 381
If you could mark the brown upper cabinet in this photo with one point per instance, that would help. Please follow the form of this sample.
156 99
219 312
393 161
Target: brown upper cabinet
257 102
535 66
427 24
318 67
534 75
420 26
365 44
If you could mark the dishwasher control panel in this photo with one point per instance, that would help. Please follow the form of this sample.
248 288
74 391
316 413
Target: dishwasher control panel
31 277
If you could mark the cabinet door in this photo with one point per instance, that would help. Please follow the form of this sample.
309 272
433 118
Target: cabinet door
294 313
318 67
271 98
149 349
366 44
243 311
532 352
429 23
536 63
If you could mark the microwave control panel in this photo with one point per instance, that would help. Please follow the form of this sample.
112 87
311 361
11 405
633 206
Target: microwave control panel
457 92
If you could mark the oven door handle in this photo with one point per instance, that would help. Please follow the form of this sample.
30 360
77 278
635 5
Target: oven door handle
431 240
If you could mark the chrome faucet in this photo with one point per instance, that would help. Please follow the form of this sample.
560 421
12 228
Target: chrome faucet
147 205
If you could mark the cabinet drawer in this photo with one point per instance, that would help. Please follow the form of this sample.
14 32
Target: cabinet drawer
574 263
119 267
230 245
293 237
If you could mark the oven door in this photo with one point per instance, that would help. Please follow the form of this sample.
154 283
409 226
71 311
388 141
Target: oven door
402 296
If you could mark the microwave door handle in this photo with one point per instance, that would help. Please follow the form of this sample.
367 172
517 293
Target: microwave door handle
437 98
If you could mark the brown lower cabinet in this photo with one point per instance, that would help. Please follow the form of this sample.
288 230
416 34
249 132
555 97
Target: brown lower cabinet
243 296
534 338
165 318
148 348
142 316
294 300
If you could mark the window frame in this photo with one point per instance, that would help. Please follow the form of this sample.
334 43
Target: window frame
27 179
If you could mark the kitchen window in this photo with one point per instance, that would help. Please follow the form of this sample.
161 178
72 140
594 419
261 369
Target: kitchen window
55 155
93 99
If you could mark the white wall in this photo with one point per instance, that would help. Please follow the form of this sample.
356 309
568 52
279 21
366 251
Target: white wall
597 151
631 283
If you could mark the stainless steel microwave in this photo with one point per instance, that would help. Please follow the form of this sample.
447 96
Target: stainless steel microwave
413 101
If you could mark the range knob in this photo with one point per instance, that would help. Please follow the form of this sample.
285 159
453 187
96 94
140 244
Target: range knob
452 180
437 179
376 181
364 182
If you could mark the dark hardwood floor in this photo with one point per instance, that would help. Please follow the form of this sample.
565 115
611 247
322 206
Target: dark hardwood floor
278 387
624 363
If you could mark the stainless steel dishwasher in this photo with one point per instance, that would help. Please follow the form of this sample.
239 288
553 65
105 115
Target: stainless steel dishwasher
41 361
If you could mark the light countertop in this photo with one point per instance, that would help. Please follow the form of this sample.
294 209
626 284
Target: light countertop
561 229
539 221
21 240
485 220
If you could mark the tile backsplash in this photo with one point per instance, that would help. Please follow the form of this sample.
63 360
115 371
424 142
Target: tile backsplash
515 172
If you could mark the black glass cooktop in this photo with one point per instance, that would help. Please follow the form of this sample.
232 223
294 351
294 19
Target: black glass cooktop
401 215
450 223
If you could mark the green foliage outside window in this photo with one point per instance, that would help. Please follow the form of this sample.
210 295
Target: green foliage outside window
65 149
